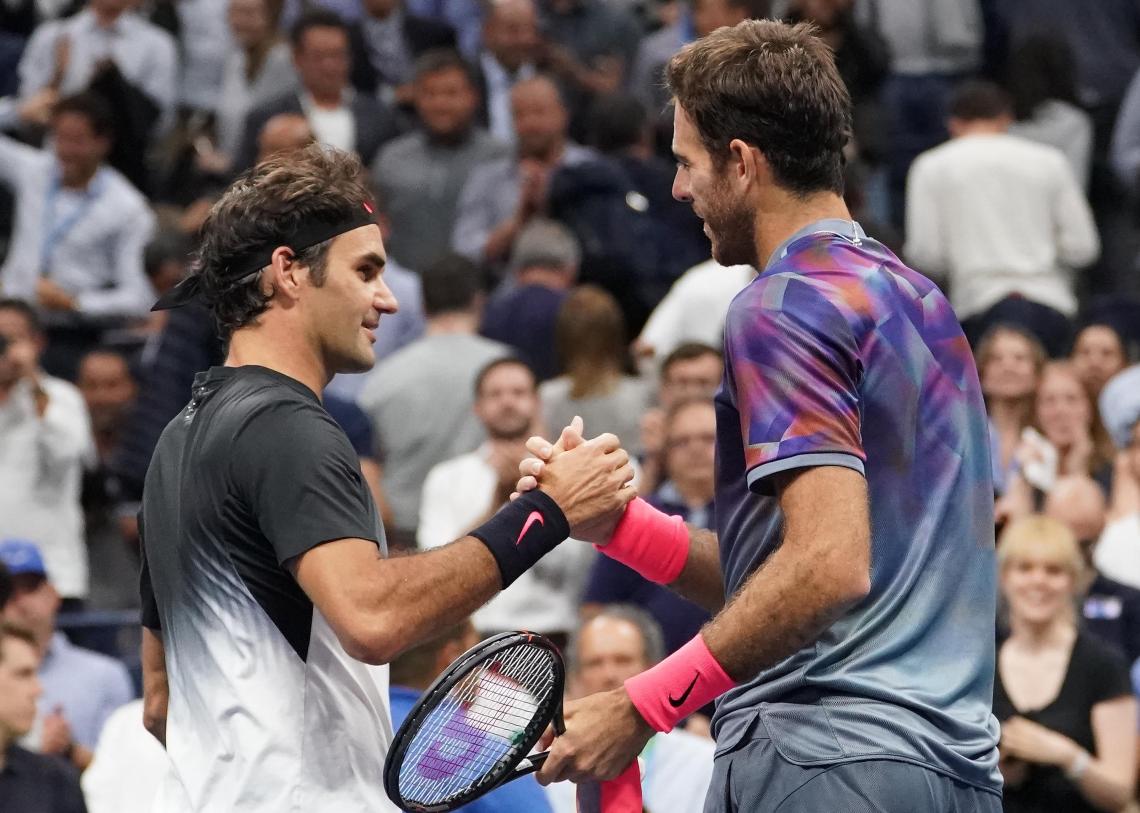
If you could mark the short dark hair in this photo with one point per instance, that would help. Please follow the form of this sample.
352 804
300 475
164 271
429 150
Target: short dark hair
12 631
774 86
437 60
505 361
1041 68
315 18
687 352
167 246
91 107
977 99
450 284
25 309
267 205
617 122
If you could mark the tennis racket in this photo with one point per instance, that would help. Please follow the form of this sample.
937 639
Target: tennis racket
476 724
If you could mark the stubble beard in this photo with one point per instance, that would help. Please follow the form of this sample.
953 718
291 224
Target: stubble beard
732 229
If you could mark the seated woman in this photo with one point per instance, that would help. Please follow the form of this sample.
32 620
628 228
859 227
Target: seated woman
1068 717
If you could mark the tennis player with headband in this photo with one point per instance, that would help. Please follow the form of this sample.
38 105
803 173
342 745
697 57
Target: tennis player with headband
269 605
853 575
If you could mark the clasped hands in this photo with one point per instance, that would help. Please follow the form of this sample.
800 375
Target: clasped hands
604 732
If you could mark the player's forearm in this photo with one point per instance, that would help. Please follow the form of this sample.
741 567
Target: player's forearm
701 582
156 690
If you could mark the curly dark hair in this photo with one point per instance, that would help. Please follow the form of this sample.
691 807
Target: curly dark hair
266 206
774 86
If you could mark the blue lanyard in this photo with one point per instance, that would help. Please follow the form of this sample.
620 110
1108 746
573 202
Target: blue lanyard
54 235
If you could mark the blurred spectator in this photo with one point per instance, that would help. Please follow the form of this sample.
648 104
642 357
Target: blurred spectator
385 44
693 370
128 767
255 73
109 390
1009 366
81 687
1110 610
45 442
284 132
204 42
465 16
862 59
1068 717
687 492
29 783
165 264
524 310
66 56
460 493
1098 354
1002 220
1118 552
646 80
589 45
339 117
433 376
1043 88
636 238
933 44
500 196
510 46
414 671
5 585
421 175
694 309
615 645
592 347
81 229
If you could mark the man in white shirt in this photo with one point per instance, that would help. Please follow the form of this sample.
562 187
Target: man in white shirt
1001 219
616 644
66 54
45 441
462 492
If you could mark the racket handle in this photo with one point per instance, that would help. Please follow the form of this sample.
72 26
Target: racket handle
620 795
529 765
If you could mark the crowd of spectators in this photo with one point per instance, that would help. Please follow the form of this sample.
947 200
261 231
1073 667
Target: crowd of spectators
519 154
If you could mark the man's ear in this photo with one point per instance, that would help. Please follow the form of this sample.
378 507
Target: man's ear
748 167
283 274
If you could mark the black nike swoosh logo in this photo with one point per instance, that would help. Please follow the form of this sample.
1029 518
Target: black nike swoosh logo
677 702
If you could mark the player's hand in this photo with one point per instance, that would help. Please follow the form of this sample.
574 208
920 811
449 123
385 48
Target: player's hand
530 468
590 483
1032 742
604 733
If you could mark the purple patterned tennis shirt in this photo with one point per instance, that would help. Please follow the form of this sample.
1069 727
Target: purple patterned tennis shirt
839 355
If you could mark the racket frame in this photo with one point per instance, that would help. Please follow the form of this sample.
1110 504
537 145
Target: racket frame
525 763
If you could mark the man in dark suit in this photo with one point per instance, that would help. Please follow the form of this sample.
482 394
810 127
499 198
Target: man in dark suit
338 115
385 44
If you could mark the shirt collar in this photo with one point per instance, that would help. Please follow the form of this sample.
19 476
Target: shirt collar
56 647
847 229
393 22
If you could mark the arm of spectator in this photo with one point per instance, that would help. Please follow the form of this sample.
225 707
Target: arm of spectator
1109 782
1125 498
132 294
925 244
64 428
160 78
156 688
38 63
435 527
1078 243
374 475
1124 152
476 235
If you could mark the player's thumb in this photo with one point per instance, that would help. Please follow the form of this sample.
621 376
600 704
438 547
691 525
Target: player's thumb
571 436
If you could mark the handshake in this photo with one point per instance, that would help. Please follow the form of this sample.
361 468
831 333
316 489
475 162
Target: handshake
590 480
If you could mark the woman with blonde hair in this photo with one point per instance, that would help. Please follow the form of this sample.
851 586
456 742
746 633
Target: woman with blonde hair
1009 363
593 349
1068 717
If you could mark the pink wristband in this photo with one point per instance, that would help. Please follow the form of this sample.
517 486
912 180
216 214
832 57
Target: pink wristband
679 685
653 543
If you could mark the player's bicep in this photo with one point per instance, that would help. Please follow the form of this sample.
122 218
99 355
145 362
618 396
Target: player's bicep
827 519
794 368
341 578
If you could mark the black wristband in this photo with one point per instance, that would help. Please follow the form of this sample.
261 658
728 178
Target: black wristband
522 532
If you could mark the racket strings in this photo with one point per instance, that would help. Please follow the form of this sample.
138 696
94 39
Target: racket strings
479 726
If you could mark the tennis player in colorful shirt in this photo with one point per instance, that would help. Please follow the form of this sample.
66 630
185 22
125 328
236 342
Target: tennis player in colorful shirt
853 571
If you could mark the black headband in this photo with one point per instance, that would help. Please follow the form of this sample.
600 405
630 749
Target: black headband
251 262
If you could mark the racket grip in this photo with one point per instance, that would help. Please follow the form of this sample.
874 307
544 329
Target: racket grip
620 795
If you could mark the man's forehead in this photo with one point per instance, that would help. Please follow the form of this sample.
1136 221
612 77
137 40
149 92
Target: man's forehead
360 242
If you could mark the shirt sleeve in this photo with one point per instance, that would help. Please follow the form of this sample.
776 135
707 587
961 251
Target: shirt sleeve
301 479
1107 671
150 616
794 370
